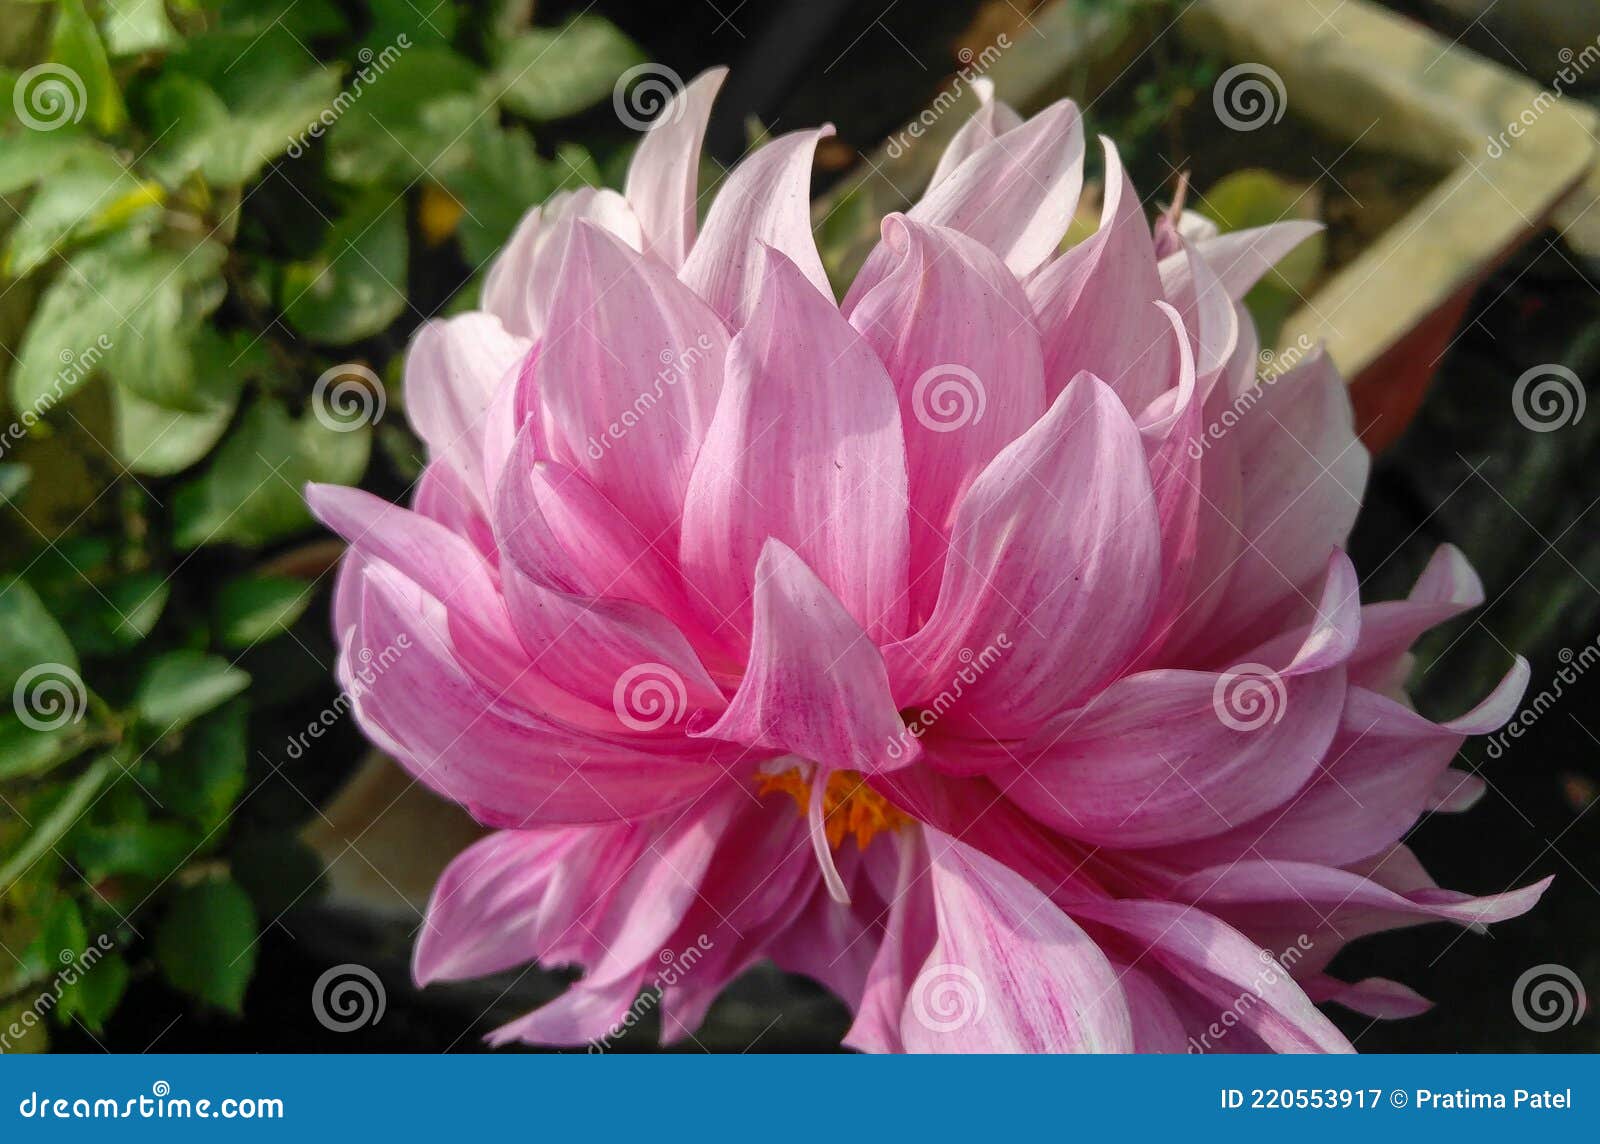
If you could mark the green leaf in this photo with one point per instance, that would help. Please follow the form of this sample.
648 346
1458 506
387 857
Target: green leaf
393 131
91 193
26 752
184 684
96 993
125 308
62 939
549 73
13 480
203 780
206 943
253 608
77 46
229 145
356 285
29 635
156 441
133 27
153 850
30 156
48 830
252 492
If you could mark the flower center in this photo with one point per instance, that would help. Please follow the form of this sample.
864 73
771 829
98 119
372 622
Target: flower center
850 808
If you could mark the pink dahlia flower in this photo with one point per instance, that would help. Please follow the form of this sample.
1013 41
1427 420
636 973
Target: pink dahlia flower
981 646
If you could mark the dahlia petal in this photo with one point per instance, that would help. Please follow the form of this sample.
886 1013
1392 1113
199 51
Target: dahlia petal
766 201
1169 756
443 497
1095 303
1223 966
514 289
992 119
1447 587
806 446
1053 574
561 532
1242 257
910 929
953 328
1308 897
816 685
451 373
1455 792
1016 193
1010 972
508 767
1157 1027
1372 997
1209 314
1303 472
585 1012
664 175
627 375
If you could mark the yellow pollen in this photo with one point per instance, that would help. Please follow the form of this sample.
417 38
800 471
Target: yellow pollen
849 806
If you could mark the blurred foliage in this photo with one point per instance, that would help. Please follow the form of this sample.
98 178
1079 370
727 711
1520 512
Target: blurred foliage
211 203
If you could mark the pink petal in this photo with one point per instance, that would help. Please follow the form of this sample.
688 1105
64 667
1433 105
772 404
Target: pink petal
816 686
1224 967
1372 997
627 376
1009 972
805 447
514 289
1446 588
992 119
1053 574
1096 302
1241 257
910 930
953 328
664 175
1016 193
452 371
766 201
